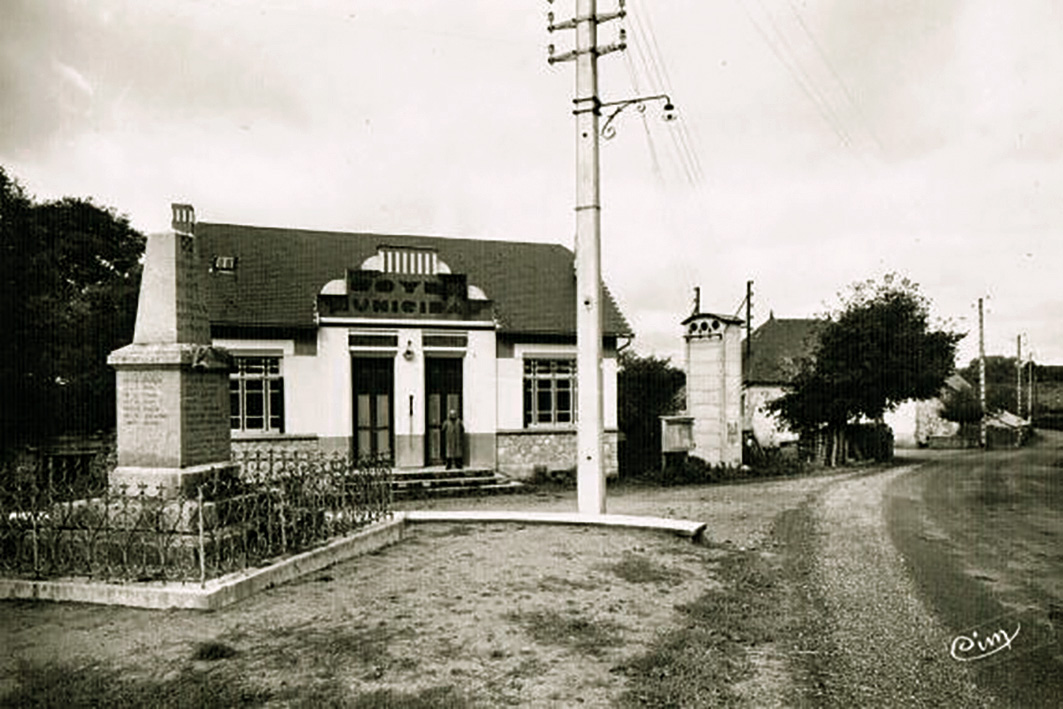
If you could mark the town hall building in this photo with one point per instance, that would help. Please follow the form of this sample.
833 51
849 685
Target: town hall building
365 342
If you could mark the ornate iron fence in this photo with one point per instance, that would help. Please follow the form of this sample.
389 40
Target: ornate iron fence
280 503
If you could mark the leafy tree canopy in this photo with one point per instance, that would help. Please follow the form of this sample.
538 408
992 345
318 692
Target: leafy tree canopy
69 276
962 406
1001 380
876 350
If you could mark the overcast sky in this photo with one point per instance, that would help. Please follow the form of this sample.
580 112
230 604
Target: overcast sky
817 143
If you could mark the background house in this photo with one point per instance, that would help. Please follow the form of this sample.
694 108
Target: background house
770 360
915 423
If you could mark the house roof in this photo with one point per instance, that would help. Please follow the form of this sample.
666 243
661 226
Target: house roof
957 383
730 319
776 347
279 273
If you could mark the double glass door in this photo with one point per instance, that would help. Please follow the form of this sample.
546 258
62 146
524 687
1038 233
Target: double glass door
373 380
443 381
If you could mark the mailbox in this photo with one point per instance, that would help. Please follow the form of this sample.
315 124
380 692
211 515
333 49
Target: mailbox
677 434
677 437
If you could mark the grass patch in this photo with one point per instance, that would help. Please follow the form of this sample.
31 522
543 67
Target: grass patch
746 608
692 667
213 650
698 663
763 599
52 685
431 698
456 530
314 642
330 650
560 584
570 630
640 569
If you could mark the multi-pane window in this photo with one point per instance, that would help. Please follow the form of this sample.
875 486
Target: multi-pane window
549 392
256 395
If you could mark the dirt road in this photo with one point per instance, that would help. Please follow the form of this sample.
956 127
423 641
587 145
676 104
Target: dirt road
889 650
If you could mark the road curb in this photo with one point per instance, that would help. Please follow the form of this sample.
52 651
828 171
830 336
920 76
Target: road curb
681 527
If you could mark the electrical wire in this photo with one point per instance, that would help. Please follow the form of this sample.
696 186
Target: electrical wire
640 45
654 162
645 44
834 73
684 135
796 72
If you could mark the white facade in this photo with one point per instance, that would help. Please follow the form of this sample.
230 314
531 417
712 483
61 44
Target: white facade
768 430
364 343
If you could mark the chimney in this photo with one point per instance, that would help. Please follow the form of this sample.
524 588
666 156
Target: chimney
184 218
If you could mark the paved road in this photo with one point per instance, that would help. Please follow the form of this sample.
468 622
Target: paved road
982 537
914 584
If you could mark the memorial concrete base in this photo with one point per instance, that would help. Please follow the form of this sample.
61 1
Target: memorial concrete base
170 482
173 418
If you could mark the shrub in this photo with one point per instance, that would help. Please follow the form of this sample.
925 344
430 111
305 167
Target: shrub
563 477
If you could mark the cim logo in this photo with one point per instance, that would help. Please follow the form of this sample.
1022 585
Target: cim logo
966 648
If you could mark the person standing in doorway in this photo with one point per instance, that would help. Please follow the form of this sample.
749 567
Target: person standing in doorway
453 440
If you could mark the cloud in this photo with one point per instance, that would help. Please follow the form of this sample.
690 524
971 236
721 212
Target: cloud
71 67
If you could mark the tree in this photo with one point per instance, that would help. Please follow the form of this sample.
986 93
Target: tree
1000 382
875 351
963 406
647 388
69 276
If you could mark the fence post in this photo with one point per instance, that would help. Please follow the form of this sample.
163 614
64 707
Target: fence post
202 545
36 557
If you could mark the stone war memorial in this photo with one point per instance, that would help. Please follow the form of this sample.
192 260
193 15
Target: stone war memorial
172 384
177 506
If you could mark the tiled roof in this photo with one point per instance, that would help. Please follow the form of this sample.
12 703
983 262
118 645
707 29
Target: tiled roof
279 273
776 347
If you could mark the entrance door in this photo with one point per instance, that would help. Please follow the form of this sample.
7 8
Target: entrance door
443 390
373 379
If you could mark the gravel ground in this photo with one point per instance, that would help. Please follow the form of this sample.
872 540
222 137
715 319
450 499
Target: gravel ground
891 651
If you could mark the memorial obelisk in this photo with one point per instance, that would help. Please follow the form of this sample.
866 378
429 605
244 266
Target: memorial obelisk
172 384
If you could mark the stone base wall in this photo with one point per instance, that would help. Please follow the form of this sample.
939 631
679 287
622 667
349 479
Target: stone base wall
277 443
521 453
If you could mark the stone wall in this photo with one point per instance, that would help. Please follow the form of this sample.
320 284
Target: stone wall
520 453
247 444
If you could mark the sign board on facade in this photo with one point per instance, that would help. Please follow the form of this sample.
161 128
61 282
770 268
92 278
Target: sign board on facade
372 294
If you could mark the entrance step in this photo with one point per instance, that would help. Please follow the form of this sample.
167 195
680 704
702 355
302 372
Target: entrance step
437 481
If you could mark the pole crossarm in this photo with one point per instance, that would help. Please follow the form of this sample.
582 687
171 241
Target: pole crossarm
609 130
574 53
574 22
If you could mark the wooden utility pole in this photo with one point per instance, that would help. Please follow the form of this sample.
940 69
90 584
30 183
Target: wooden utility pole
587 107
590 476
981 373
1018 376
749 319
1033 397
